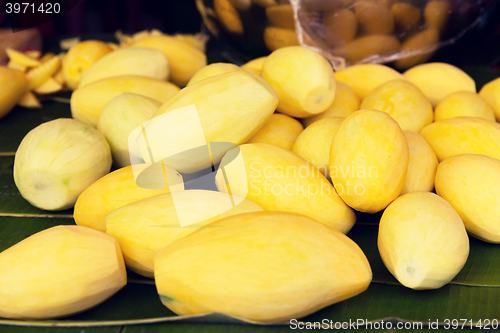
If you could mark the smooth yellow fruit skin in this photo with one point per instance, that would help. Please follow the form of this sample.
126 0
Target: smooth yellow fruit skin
490 92
13 83
402 101
88 102
315 142
346 102
369 160
120 117
280 130
58 160
463 135
254 66
438 80
463 104
184 59
277 179
311 88
128 61
120 188
58 272
231 108
422 165
213 70
147 226
470 184
264 267
422 241
363 78
79 58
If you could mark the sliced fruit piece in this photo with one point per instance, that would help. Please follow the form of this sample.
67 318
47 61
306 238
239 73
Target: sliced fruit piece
49 87
29 100
21 59
37 76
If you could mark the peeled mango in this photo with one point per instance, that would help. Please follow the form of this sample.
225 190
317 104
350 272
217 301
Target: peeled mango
88 102
146 226
463 104
213 70
128 61
13 83
470 184
58 160
264 267
277 179
280 130
58 272
422 241
254 66
490 92
369 160
120 188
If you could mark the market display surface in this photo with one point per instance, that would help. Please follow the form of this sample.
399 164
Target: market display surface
276 254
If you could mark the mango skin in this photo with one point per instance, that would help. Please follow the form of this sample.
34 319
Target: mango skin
463 104
369 160
422 165
58 160
147 226
280 130
213 70
422 241
267 270
402 101
470 184
463 135
490 92
312 87
438 80
58 272
88 102
277 179
13 83
120 188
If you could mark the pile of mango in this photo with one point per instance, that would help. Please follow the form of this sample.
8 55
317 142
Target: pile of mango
296 149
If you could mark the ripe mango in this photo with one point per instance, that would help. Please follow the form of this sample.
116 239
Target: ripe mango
281 16
310 90
88 102
254 66
213 70
128 61
402 101
341 26
144 227
423 42
422 241
374 18
277 179
58 272
369 160
120 188
58 160
276 38
13 83
463 135
264 267
366 47
405 15
490 92
280 130
470 184
436 13
463 104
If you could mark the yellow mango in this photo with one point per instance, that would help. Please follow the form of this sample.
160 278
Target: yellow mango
368 46
438 80
228 16
463 135
58 160
79 58
281 16
463 104
277 179
228 108
363 78
29 100
422 165
49 87
16 66
402 101
21 59
422 241
184 59
424 42
315 142
120 117
280 130
470 184
368 160
276 38
213 70
374 18
346 102
147 226
490 92
254 66
120 188
405 15
341 26
436 13
311 90
88 102
264 267
58 272
13 83
128 61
